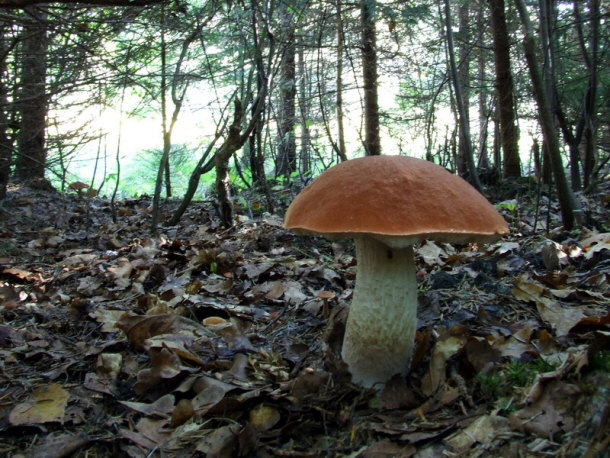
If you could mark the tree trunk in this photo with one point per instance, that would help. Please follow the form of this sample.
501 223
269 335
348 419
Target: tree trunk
256 155
459 99
33 100
287 145
509 135
484 97
6 143
571 214
372 142
464 81
221 162
590 110
305 105
340 128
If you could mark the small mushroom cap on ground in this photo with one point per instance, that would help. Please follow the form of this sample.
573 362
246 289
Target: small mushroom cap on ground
78 185
397 199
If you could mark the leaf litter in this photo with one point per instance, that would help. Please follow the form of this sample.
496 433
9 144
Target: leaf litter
204 341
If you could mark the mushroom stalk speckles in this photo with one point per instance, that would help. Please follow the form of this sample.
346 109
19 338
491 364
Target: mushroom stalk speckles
382 319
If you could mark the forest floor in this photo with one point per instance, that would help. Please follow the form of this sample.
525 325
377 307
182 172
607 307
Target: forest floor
206 341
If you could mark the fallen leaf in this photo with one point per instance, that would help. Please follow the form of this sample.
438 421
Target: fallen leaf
264 417
220 442
431 253
555 410
45 404
444 348
483 430
385 448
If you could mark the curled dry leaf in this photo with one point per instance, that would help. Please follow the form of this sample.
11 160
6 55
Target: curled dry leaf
182 412
109 364
166 365
444 348
162 407
139 328
209 393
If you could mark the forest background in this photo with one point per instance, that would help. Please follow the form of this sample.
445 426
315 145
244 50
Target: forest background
146 97
221 334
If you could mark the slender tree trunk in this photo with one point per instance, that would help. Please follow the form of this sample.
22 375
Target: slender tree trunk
287 146
590 110
6 143
505 89
459 98
163 163
372 141
33 100
304 104
221 162
464 81
571 214
340 127
256 154
497 154
484 96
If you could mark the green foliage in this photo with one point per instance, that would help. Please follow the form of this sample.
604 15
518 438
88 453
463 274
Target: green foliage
510 377
510 206
600 360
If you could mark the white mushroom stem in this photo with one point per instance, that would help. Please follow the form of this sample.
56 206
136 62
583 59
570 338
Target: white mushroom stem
382 319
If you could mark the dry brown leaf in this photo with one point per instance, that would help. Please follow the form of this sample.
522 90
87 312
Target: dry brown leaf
431 253
561 318
385 448
444 348
182 412
517 344
138 328
553 411
45 404
480 353
166 365
109 364
210 392
108 318
162 407
483 430
58 445
264 417
220 442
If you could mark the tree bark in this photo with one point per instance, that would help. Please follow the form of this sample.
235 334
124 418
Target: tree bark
221 161
339 100
459 99
6 142
589 110
33 100
286 161
571 213
509 135
256 156
372 141
464 81
304 105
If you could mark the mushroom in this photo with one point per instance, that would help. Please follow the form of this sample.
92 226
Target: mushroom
387 204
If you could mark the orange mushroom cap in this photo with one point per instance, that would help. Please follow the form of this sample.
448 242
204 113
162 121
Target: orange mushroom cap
399 200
